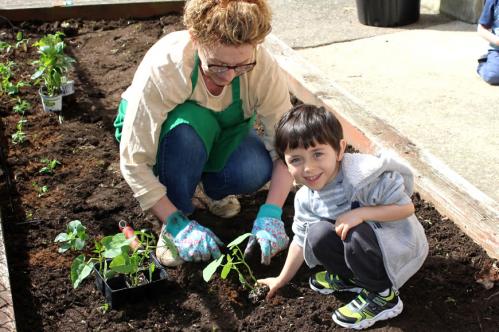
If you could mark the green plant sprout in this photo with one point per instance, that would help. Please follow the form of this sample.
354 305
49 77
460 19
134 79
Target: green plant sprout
19 136
74 238
104 307
21 106
7 86
21 42
40 190
52 64
4 46
234 261
29 215
49 167
113 255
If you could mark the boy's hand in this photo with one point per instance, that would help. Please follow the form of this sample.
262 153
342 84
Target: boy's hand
347 221
273 283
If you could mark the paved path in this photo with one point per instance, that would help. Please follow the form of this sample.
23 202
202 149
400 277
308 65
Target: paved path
419 78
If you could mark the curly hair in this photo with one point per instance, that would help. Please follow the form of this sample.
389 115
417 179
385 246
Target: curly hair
228 22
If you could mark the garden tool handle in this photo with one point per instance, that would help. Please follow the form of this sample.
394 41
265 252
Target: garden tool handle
129 232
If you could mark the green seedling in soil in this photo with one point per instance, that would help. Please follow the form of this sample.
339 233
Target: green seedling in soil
29 215
49 167
7 86
74 238
41 190
52 64
21 42
235 261
19 136
104 307
21 106
5 47
114 255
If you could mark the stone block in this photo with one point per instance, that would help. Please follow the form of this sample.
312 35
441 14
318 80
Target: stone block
463 10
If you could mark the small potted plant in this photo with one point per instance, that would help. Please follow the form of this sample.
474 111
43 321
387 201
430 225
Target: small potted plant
122 272
52 67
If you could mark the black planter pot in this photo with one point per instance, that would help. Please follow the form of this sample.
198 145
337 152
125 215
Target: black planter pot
388 13
116 291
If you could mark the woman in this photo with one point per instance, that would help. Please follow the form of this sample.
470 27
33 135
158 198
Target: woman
187 118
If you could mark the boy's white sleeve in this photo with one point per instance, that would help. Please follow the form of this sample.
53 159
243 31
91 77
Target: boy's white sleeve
302 217
388 189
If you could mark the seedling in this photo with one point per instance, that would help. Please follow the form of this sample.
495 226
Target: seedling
7 86
74 238
29 215
40 190
21 42
234 261
52 64
104 307
4 46
49 167
19 136
113 256
21 106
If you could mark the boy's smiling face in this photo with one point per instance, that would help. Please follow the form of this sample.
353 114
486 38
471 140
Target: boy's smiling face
315 166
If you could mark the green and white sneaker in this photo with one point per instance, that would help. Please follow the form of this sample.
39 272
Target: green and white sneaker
368 308
327 283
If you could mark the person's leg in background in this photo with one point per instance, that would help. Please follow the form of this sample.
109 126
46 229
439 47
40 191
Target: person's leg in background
488 68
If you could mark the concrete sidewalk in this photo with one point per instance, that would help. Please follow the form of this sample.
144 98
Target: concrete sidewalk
420 79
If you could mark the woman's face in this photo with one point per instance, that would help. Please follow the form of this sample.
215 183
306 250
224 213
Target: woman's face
223 63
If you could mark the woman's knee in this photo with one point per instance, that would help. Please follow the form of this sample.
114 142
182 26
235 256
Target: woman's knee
250 166
181 151
183 137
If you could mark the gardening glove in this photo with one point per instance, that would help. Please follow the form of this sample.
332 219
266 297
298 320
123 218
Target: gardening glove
193 241
268 231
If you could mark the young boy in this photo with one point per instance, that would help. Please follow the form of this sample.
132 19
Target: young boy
488 28
354 216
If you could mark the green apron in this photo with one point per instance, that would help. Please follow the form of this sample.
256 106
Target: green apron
221 132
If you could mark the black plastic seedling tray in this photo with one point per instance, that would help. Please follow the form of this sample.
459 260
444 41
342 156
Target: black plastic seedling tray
116 291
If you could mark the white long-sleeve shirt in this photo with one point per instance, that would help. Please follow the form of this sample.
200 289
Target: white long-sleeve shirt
162 81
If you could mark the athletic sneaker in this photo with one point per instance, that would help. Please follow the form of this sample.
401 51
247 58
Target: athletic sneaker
368 308
227 207
166 252
327 283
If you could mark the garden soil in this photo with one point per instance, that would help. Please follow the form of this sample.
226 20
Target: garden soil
447 294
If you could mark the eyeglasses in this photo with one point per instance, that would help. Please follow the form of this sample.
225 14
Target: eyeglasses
222 69
239 69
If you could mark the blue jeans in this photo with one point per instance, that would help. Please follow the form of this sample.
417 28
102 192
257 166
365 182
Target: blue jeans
181 161
488 68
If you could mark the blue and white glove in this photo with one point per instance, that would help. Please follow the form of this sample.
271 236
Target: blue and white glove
193 241
268 231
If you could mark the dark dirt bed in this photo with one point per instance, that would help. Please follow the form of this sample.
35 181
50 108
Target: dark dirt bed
443 296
